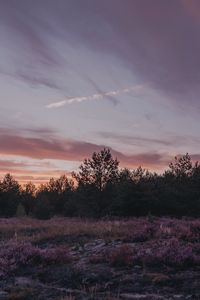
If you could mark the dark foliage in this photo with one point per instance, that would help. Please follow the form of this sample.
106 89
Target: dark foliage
42 208
9 196
28 197
101 189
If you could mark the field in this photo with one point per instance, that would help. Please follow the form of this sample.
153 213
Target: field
66 259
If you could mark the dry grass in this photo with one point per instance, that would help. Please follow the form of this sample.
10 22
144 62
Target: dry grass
28 229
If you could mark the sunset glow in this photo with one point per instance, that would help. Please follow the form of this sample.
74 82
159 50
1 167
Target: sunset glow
77 76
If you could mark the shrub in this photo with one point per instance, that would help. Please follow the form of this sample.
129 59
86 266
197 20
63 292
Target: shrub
15 254
168 252
121 257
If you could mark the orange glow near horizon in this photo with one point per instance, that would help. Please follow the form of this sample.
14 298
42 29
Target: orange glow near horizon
36 178
43 176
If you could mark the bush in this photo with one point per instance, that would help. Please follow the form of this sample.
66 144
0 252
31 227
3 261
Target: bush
121 257
15 254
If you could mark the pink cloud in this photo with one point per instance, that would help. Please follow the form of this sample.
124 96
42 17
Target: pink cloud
52 147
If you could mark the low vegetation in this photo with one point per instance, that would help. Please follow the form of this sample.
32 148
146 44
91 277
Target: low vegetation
83 259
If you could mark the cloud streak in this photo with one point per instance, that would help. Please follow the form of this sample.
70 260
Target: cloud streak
157 40
24 171
168 141
15 143
95 96
49 146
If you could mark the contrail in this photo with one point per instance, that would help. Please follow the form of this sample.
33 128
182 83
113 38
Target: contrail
94 96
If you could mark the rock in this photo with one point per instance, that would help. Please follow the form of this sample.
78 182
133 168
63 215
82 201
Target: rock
99 246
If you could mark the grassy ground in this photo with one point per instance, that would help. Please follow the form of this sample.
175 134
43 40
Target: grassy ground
145 258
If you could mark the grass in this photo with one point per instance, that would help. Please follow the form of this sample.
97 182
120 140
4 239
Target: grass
138 230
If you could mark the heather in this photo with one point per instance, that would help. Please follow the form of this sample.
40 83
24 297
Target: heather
100 259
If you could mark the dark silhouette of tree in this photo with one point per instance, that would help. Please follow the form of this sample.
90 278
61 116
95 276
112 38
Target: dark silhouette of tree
179 195
60 192
43 208
95 174
182 166
98 170
28 197
123 194
102 189
9 196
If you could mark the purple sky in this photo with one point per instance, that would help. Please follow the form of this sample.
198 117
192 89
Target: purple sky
77 75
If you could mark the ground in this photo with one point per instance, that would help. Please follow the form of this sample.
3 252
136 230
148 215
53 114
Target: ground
66 259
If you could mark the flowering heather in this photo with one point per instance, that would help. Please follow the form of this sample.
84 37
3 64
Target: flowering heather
170 252
72 257
161 241
14 254
121 257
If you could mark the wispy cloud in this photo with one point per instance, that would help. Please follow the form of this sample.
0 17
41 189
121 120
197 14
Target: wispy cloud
37 172
45 146
54 147
153 53
98 96
168 140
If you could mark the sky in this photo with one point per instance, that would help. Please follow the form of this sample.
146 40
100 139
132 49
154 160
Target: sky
77 76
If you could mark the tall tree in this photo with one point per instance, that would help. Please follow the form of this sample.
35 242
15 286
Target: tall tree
28 197
10 196
182 166
99 170
60 191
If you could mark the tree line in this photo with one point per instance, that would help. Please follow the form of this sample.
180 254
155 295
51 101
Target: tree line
101 188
